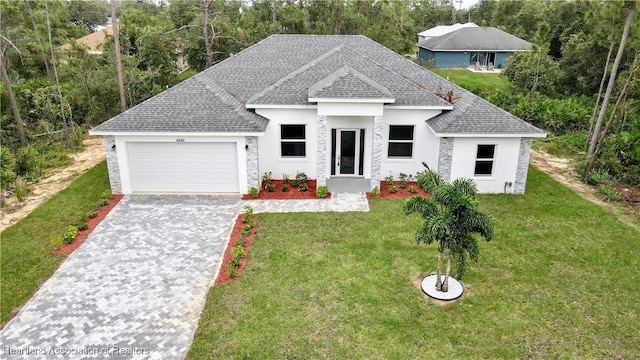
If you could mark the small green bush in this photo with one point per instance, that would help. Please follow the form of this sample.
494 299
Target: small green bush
254 192
91 214
393 189
28 163
301 178
322 192
598 177
82 225
6 167
285 179
20 188
69 234
285 188
233 271
376 191
246 229
412 189
248 216
303 187
266 179
389 180
270 187
609 193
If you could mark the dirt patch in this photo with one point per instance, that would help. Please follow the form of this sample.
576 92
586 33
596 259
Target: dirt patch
67 249
236 234
562 170
386 192
55 180
291 193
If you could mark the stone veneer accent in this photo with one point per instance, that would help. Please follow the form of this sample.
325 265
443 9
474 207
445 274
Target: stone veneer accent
321 158
112 164
445 158
523 165
376 151
253 170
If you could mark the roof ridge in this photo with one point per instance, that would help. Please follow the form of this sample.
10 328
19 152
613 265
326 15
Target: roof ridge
228 98
340 74
294 73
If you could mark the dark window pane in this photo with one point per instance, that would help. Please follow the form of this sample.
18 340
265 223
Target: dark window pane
484 167
400 132
485 151
400 149
361 164
292 132
293 149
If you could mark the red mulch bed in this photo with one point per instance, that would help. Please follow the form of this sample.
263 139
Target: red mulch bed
223 274
67 249
402 193
293 192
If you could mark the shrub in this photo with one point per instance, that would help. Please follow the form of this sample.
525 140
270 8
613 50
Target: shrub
376 191
322 191
28 163
254 192
266 179
303 187
248 216
609 193
82 225
91 214
237 252
403 180
301 178
285 188
233 271
246 229
389 180
20 188
285 179
106 195
598 177
413 190
270 187
69 234
6 167
393 189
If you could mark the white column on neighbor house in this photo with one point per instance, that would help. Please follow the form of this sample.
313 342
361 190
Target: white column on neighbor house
322 150
376 150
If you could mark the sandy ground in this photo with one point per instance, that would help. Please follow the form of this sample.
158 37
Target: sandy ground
56 180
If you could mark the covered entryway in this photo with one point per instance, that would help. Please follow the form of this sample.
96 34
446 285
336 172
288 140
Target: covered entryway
183 167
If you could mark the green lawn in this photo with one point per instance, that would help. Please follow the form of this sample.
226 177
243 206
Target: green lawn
559 280
25 248
473 81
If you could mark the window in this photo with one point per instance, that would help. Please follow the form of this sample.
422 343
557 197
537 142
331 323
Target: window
400 141
293 141
484 160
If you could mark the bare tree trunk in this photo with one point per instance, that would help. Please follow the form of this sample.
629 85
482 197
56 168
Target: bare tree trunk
207 45
595 108
438 279
55 73
612 80
445 285
621 97
116 47
13 102
274 12
35 28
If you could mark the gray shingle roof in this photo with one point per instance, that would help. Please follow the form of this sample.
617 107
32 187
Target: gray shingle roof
476 39
284 69
348 83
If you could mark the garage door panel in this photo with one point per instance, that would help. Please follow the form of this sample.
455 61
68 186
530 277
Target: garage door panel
183 167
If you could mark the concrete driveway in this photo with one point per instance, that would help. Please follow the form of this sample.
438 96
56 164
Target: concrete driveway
134 289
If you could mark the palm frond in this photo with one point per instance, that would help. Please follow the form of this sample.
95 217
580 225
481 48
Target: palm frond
421 205
428 180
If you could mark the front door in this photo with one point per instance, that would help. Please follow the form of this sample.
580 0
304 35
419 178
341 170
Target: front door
347 159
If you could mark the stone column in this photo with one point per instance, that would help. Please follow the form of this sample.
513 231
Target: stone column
322 151
377 150
445 158
523 165
253 171
112 164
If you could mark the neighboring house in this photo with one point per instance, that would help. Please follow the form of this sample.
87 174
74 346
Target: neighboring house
475 47
92 42
441 30
332 106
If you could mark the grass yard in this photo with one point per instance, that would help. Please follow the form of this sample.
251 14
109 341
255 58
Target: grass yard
25 247
560 280
472 81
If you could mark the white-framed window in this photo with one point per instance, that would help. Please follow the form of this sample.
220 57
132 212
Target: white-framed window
400 141
484 160
293 141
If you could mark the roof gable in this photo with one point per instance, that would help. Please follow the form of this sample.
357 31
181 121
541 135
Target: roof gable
348 83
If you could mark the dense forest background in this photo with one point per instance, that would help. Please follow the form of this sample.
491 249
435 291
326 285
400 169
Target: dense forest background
576 82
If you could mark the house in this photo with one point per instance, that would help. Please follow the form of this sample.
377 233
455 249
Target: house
441 30
92 42
333 107
476 47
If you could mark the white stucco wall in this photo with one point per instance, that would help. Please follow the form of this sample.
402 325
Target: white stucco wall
504 166
425 144
269 144
123 157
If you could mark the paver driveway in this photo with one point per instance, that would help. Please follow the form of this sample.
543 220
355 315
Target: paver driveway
135 288
138 284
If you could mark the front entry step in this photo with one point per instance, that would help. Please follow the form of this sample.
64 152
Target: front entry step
348 184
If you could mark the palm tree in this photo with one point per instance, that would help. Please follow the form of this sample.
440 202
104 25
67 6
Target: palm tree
451 218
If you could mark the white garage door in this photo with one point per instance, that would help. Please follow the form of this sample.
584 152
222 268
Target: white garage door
183 167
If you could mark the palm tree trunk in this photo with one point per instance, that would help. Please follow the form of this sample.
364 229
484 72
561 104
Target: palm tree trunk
612 80
438 280
116 47
445 285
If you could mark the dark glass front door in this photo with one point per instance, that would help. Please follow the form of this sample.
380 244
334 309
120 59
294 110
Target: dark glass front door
347 148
